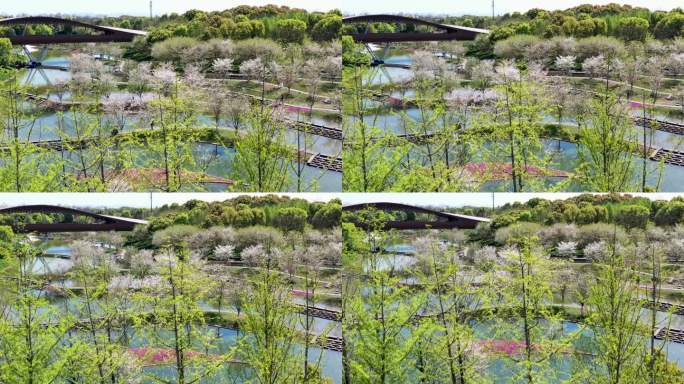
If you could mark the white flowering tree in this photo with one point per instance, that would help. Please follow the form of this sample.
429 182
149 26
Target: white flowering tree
224 252
565 63
260 70
596 251
594 65
223 66
567 249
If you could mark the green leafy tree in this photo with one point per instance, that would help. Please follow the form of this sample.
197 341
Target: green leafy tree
607 155
615 305
633 28
670 213
375 322
33 346
633 216
368 166
26 166
669 26
171 142
268 322
328 216
290 31
518 126
262 157
102 319
290 219
6 55
526 294
450 315
169 315
328 28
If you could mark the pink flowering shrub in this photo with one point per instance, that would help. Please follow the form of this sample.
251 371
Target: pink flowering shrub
505 347
300 292
158 355
297 108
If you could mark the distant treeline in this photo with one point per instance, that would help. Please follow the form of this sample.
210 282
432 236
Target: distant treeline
624 209
622 21
241 22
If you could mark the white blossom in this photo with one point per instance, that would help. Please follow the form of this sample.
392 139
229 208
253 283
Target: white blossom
567 249
257 69
192 76
596 250
507 72
224 252
222 66
565 63
164 76
469 96
595 65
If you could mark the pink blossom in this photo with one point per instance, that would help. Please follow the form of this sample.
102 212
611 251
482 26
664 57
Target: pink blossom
159 355
507 347
299 292
500 171
297 108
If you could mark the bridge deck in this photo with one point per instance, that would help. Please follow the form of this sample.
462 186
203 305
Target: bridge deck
102 34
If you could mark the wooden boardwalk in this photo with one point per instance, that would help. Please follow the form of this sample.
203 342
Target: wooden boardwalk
660 125
56 144
673 335
676 309
332 343
668 156
326 162
321 313
316 129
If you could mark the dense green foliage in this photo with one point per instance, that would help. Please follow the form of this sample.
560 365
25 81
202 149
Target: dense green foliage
287 25
287 214
630 212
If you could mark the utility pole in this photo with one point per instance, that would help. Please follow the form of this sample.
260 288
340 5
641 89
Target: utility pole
151 8
492 8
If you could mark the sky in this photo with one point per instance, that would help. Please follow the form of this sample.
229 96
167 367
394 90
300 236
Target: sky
484 7
142 7
133 200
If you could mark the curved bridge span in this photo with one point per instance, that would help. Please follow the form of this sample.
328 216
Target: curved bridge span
444 220
104 34
105 223
445 32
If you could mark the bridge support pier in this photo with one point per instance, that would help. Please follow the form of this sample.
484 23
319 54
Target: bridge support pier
35 64
378 59
35 61
32 74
